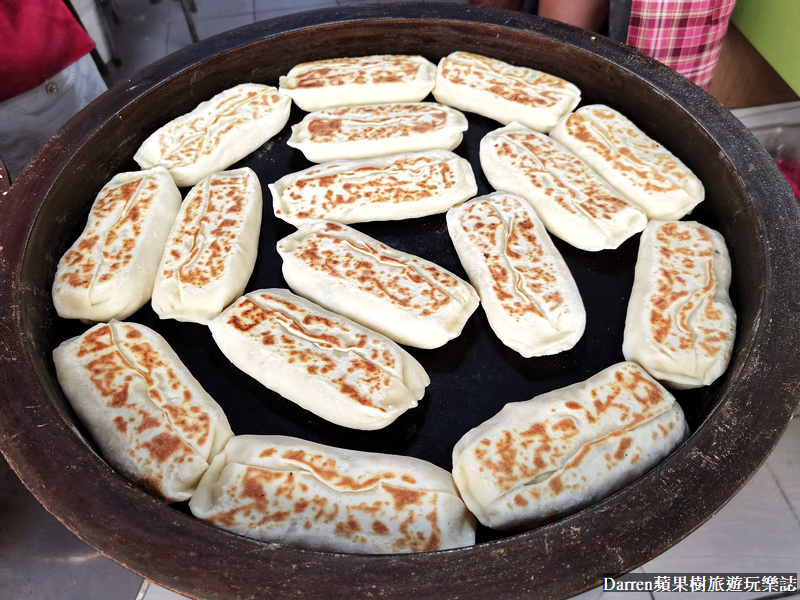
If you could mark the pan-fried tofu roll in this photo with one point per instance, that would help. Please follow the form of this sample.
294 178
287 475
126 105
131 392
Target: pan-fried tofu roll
217 133
406 298
108 273
557 453
640 168
325 363
527 291
212 248
574 203
376 79
387 188
151 419
377 130
503 92
289 491
681 324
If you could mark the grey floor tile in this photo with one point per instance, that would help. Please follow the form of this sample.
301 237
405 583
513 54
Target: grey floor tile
593 594
784 464
267 9
280 12
141 38
625 596
599 594
144 8
346 2
42 560
178 32
290 6
212 9
756 532
178 36
156 592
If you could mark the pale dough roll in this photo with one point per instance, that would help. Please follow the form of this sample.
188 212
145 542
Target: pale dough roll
640 168
387 188
108 273
151 419
325 363
217 133
503 92
289 491
527 291
212 248
574 202
377 130
680 324
559 452
406 298
373 79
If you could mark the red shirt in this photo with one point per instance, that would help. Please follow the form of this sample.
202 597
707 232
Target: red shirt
38 39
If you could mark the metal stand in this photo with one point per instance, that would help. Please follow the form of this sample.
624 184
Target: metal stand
104 7
189 7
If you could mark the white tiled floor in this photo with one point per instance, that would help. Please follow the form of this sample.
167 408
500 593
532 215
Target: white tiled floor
758 530
149 31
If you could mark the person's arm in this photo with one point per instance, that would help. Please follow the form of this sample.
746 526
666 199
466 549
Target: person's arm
588 14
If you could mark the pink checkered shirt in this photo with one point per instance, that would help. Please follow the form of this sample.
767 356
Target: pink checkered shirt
683 34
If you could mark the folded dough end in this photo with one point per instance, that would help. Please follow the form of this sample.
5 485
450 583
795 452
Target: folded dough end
559 452
290 491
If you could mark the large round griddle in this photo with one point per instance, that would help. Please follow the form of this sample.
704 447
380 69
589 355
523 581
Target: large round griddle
734 423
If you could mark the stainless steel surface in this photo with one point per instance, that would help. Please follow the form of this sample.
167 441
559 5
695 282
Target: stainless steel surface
41 559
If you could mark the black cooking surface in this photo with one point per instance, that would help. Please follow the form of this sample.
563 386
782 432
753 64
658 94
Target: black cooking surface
472 376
